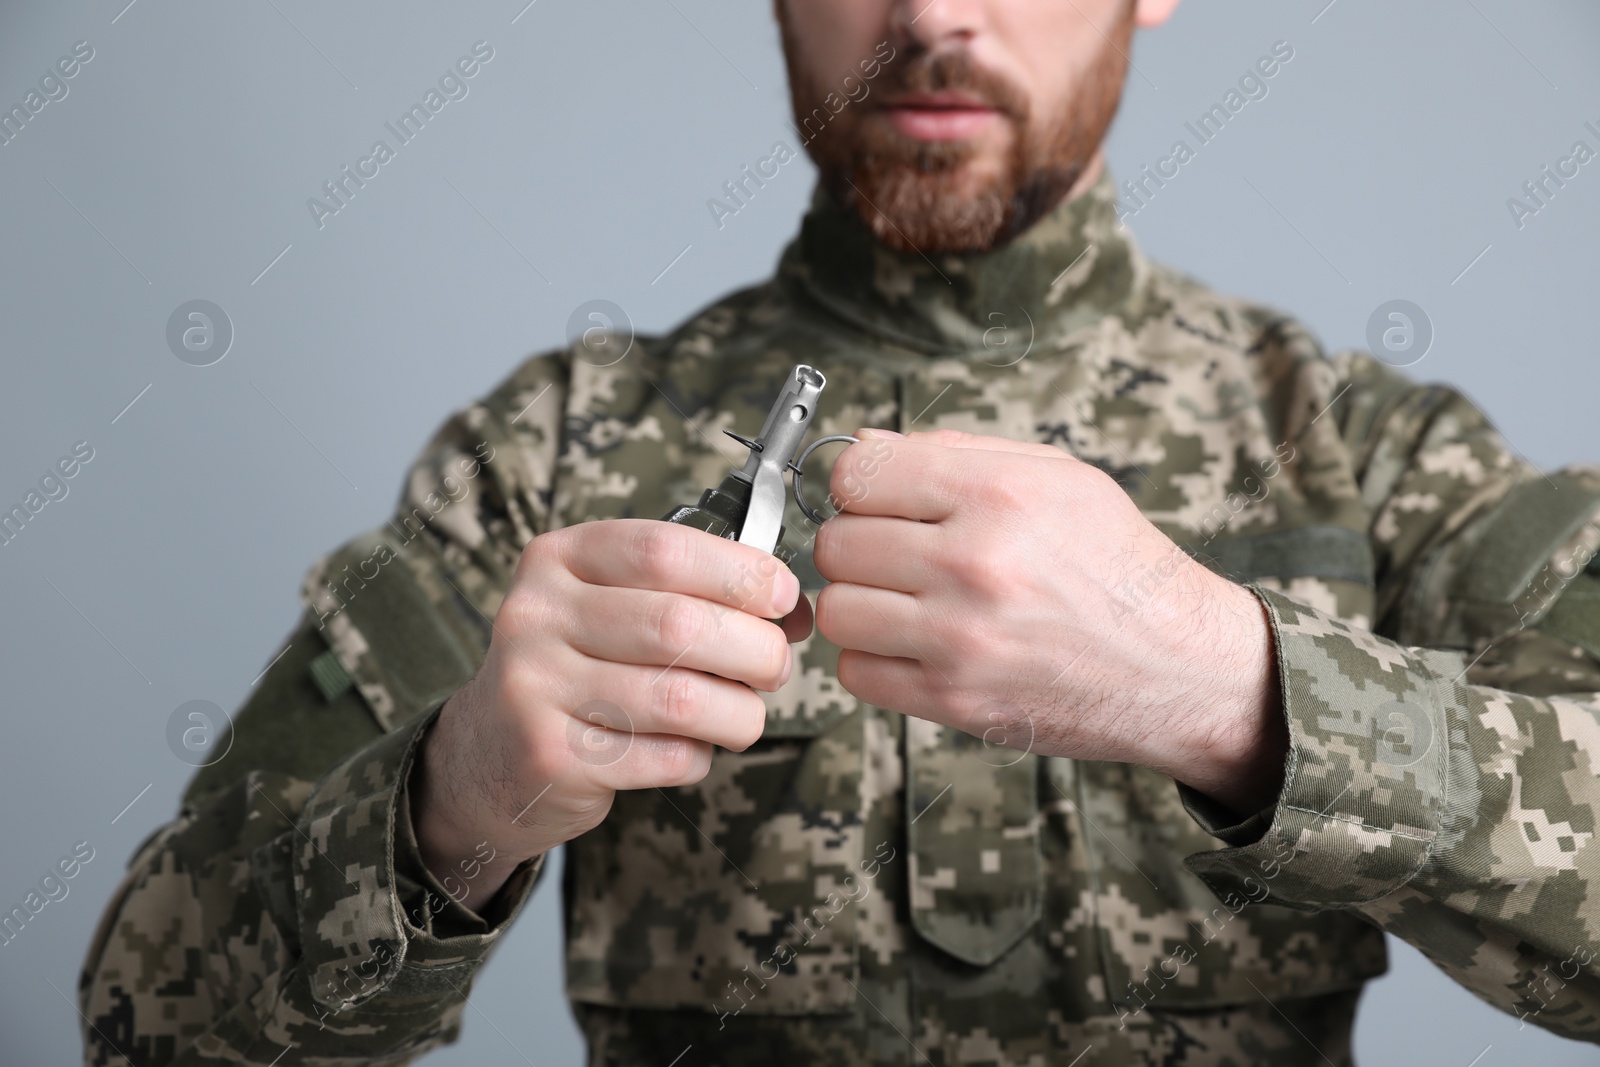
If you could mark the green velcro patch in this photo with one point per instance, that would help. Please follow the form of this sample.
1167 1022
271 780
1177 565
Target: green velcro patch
1330 552
1528 526
1576 615
330 677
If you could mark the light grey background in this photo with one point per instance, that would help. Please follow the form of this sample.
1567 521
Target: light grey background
579 166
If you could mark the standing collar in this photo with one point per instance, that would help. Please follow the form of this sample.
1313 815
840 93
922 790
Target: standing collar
1073 266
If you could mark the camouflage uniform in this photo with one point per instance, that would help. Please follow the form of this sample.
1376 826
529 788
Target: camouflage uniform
864 888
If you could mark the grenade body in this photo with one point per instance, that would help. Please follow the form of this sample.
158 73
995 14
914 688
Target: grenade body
721 512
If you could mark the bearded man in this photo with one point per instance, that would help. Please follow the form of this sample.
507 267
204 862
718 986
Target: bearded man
1160 662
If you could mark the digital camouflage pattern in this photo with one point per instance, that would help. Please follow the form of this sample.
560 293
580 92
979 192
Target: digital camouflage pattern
861 888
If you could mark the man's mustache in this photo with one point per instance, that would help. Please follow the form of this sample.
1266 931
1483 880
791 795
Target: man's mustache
954 71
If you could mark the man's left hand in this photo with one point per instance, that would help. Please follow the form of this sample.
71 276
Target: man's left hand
1012 591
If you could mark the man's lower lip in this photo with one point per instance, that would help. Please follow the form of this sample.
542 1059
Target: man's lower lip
941 124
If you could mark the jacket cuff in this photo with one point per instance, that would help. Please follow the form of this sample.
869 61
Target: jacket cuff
354 902
1364 788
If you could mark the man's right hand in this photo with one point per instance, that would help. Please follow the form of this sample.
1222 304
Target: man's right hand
616 662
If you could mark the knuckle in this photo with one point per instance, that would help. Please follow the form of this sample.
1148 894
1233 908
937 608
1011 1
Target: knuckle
739 582
518 690
982 566
679 761
681 696
661 551
1093 481
1005 494
856 673
541 553
698 764
679 622
847 484
520 611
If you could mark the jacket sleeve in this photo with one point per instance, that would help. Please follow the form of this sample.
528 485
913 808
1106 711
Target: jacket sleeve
285 915
1443 778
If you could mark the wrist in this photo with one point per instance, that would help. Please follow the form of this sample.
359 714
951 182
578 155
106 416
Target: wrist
469 862
1236 743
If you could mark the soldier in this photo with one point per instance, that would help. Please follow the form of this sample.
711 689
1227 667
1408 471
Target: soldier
1161 660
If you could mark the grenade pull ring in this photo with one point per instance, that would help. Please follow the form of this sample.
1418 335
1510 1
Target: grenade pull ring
800 474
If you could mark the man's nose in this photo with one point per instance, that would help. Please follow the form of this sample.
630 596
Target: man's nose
932 25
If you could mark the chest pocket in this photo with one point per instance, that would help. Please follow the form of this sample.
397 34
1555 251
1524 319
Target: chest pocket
738 895
741 894
1165 940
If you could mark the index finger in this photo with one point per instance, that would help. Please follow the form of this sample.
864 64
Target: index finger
902 477
990 443
672 558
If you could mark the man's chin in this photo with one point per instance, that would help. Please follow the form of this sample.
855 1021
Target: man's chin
925 197
965 209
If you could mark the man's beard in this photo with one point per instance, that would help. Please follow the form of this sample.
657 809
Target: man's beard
912 193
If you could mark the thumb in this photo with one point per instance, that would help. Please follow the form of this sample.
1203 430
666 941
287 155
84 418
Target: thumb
797 624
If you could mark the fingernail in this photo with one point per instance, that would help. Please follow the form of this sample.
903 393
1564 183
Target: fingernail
786 591
873 431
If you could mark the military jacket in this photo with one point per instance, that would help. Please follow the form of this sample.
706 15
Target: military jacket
864 888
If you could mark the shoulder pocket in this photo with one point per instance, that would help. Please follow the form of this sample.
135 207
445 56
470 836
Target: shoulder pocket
1506 570
397 626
